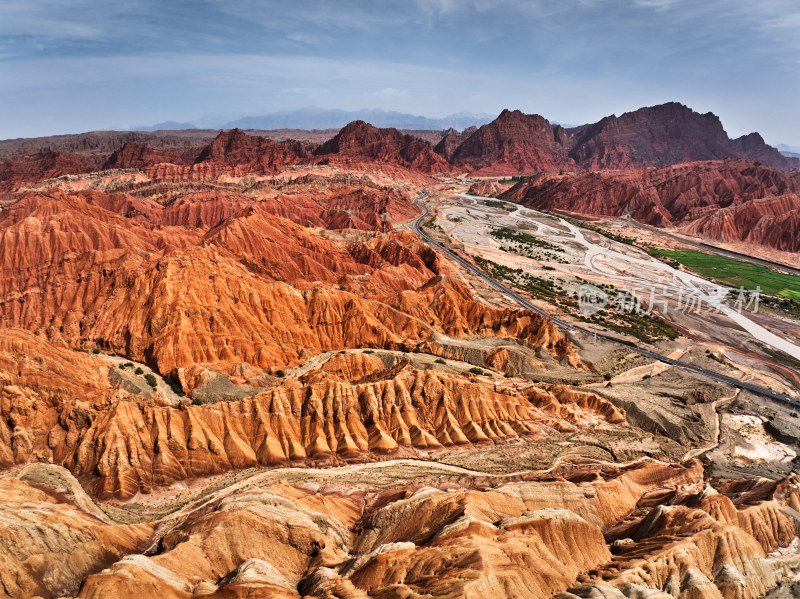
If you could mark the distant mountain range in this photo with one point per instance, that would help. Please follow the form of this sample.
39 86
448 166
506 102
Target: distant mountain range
313 117
703 180
790 151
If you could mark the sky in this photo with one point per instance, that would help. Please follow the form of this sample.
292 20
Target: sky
69 66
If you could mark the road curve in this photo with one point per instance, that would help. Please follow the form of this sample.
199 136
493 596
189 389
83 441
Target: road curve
763 391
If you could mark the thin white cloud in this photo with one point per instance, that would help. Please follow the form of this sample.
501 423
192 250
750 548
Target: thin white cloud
659 5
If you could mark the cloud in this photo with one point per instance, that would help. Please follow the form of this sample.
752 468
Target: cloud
93 63
659 5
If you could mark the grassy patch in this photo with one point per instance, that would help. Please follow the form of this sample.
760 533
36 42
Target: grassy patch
644 327
541 288
736 273
499 205
521 237
526 244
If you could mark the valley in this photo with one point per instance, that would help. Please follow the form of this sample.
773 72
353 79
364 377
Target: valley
237 366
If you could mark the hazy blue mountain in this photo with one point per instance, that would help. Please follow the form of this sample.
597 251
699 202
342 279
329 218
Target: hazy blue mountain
313 117
790 151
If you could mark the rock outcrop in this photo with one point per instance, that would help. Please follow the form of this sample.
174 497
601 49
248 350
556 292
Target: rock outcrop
451 140
360 141
243 153
730 200
64 407
662 135
374 531
512 144
138 156
255 287
52 536
515 143
21 170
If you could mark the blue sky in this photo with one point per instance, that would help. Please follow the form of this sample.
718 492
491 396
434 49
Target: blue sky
78 65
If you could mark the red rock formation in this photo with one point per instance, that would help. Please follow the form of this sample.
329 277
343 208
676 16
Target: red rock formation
525 539
53 536
489 187
105 143
352 367
515 143
251 154
730 200
754 147
512 144
360 141
451 140
666 134
772 222
22 170
654 136
65 407
137 156
175 296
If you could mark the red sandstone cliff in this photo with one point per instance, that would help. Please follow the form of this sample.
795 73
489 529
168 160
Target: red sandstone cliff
515 143
732 200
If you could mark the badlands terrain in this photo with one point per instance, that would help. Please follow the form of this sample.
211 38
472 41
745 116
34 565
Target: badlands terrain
231 366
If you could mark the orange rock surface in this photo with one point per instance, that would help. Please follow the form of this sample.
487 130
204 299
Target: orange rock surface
227 278
65 407
52 536
532 538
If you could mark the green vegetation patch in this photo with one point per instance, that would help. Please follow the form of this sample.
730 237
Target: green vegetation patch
537 287
735 273
645 327
505 234
499 205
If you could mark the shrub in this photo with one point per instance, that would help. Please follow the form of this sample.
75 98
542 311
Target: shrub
151 380
369 351
440 361
197 402
508 375
607 376
175 385
95 351
127 365
280 373
476 370
138 371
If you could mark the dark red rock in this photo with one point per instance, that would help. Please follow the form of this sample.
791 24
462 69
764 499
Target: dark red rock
22 170
251 153
361 141
516 143
731 200
133 155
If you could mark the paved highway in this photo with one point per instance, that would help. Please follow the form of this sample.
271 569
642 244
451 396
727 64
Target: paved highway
774 395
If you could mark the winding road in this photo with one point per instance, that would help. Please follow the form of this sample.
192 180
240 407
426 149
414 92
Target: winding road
763 391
